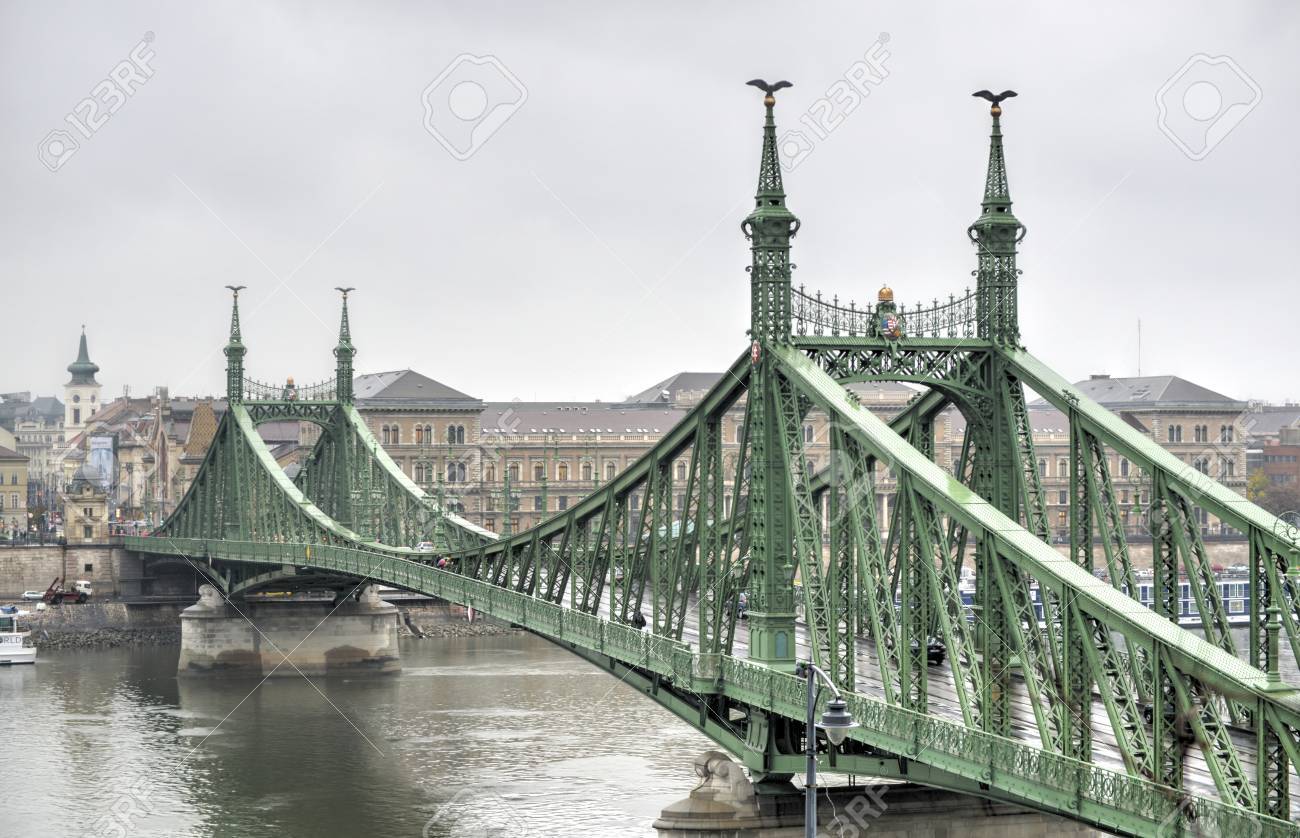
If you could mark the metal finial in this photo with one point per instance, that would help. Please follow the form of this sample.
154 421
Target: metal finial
344 290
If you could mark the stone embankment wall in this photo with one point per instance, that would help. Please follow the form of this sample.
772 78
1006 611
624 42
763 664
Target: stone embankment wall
32 567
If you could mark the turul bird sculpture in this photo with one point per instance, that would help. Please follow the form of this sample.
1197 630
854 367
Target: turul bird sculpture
992 97
769 89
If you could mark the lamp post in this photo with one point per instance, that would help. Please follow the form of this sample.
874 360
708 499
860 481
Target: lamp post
836 721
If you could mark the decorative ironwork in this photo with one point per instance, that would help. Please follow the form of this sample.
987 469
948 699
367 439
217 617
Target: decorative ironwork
323 391
812 314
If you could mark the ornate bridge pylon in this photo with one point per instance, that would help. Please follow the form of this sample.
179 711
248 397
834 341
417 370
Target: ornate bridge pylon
1098 708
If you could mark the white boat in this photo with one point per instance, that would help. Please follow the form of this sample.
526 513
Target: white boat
15 641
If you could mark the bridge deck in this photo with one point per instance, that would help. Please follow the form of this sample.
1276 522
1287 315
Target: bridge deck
944 704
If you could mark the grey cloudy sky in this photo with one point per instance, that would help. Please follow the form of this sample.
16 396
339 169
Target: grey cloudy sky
590 246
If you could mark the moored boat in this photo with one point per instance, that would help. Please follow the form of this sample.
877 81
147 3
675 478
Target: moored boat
15 641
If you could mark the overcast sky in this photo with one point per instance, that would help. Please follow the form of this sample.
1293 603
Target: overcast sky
589 246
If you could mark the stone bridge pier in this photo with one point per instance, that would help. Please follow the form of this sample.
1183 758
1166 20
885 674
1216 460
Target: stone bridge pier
726 804
264 638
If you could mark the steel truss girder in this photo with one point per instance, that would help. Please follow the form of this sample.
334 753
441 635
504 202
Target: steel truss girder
1270 537
1173 651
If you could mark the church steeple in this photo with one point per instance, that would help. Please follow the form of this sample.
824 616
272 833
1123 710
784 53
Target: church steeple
235 352
83 369
769 228
996 233
344 353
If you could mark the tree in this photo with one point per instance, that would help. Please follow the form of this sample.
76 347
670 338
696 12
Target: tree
1256 486
1281 499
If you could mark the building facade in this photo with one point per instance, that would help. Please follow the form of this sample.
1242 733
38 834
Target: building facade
13 492
1202 428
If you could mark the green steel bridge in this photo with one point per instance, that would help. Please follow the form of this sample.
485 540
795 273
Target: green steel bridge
1103 710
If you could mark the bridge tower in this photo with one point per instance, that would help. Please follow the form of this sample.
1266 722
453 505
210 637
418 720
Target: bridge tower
769 229
344 488
235 352
996 233
1004 466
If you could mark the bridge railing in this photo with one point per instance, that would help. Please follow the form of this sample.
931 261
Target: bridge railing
813 314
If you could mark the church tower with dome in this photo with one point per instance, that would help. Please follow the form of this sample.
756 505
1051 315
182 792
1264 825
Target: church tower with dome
81 393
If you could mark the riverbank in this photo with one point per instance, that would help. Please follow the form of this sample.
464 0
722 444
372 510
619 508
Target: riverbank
104 625
444 620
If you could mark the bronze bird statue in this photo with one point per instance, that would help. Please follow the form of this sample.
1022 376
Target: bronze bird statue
769 89
994 98
236 288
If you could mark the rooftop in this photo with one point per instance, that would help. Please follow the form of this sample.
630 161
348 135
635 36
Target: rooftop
407 386
1150 391
9 455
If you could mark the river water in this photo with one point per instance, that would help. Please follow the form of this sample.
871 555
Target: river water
477 736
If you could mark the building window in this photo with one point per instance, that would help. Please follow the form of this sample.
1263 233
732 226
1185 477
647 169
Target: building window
490 523
1175 433
681 502
513 471
1225 433
419 434
1201 464
537 504
88 567
455 472
76 420
681 471
491 504
455 434
562 502
807 433
586 471
419 467
539 472
490 474
1123 467
1062 468
562 472
610 471
1063 497
397 435
1042 468
740 432
87 532
1229 468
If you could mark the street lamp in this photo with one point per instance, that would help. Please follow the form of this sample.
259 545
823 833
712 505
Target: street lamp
837 721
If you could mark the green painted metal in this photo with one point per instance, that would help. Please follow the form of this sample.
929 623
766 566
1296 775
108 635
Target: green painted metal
1100 680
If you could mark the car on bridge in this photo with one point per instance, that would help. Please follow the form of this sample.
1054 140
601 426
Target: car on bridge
424 547
33 596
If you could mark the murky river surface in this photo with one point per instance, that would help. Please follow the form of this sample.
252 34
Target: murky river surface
477 736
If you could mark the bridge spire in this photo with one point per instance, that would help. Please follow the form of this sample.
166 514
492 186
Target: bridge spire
235 351
996 233
769 228
344 353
